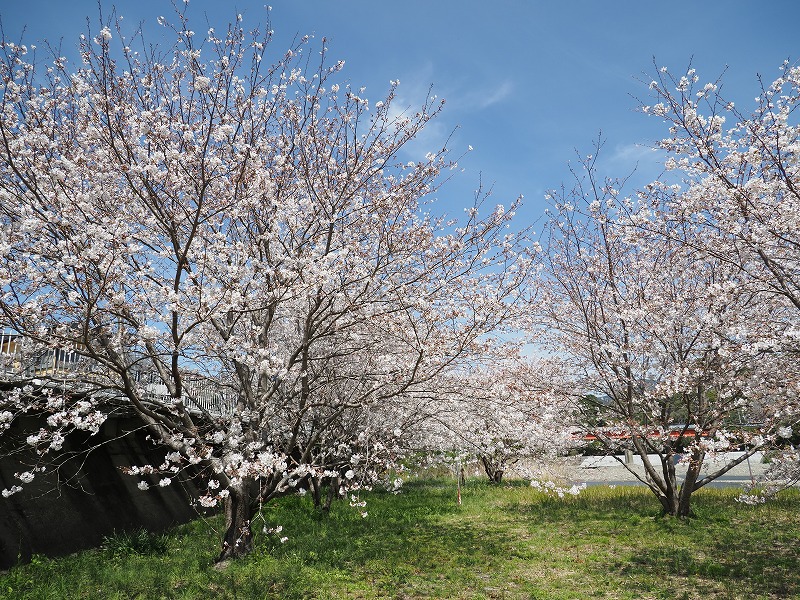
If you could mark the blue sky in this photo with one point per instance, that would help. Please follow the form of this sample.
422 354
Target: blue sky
527 83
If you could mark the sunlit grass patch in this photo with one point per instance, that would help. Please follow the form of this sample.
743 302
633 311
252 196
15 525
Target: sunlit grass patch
501 542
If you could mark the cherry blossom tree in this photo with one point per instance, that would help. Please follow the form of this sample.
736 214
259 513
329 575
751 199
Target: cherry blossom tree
739 203
503 416
740 182
656 334
239 250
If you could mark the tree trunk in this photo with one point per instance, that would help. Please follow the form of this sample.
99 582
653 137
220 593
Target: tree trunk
663 484
493 471
315 483
333 493
688 487
669 502
676 502
238 539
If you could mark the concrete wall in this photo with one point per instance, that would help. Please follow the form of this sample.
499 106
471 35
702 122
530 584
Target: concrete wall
88 497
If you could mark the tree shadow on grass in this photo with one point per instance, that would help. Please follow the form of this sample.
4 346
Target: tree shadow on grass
410 545
745 572
422 544
727 549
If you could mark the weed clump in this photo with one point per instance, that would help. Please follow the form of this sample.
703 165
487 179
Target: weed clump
139 541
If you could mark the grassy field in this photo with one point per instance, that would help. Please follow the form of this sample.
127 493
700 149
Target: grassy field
502 542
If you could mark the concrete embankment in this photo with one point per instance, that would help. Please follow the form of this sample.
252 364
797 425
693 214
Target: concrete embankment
88 496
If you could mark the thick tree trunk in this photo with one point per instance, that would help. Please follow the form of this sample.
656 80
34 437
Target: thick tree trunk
665 487
333 492
493 471
669 502
676 502
238 539
315 482
496 476
688 487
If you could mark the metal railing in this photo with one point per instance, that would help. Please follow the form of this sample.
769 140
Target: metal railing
18 364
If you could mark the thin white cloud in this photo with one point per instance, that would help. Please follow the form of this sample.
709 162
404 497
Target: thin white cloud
503 91
639 163
486 96
423 82
645 160
412 93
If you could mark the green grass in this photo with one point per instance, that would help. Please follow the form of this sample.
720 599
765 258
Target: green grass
502 542
139 541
